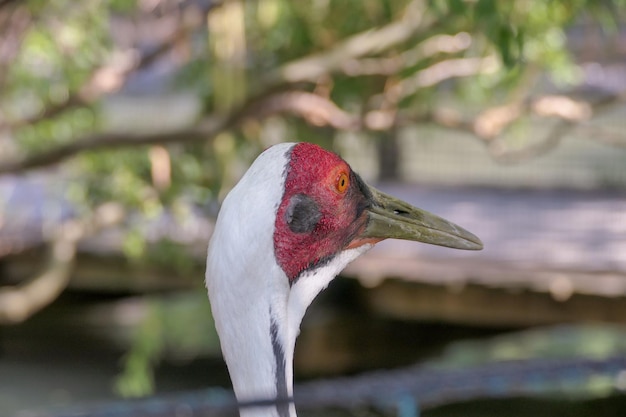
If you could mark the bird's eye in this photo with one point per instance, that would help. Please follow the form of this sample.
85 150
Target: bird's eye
342 182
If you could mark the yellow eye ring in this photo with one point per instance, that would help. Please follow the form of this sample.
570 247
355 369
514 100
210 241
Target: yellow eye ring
342 182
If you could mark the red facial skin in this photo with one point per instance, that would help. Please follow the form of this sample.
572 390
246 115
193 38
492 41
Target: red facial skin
316 174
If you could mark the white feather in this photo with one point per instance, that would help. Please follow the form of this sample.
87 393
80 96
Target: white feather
242 275
304 291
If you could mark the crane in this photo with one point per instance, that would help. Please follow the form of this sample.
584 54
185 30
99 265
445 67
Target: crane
296 218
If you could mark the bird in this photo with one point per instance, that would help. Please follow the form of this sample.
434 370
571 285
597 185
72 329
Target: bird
294 220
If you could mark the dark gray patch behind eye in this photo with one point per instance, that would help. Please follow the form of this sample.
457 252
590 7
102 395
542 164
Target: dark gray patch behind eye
302 214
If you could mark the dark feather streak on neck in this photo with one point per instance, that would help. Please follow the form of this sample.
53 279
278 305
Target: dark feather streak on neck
282 407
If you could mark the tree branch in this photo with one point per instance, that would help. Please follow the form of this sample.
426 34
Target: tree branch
317 110
437 44
571 114
310 68
489 127
313 108
100 142
20 302
445 70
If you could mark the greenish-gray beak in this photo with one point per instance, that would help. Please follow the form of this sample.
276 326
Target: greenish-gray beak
389 217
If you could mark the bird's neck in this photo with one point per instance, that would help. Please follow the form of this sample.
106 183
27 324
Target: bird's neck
248 290
251 320
258 321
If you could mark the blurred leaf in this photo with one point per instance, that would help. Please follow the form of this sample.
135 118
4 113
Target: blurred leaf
137 377
175 325
123 6
588 341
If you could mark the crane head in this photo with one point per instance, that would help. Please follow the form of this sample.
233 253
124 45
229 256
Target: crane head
327 208
296 218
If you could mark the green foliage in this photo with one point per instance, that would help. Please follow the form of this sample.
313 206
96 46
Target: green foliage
171 255
122 176
58 54
123 6
62 129
137 377
590 341
176 325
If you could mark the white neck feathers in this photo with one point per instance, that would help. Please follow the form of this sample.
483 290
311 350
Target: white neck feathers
244 280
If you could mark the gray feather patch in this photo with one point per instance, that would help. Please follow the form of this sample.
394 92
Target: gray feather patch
302 214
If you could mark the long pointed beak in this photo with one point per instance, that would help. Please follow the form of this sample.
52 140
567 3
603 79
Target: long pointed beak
389 217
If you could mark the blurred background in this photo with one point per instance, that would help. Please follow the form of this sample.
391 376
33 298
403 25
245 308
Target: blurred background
123 124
